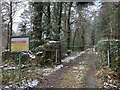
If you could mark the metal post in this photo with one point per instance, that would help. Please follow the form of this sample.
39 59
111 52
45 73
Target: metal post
19 66
108 54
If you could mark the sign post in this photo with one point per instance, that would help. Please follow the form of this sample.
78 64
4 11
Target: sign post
19 45
19 66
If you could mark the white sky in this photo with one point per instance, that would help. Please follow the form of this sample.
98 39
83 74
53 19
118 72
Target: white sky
17 18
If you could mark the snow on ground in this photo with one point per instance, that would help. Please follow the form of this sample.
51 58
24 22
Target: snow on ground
3 66
7 67
96 53
6 50
94 49
58 67
30 54
10 68
39 53
73 56
32 83
47 71
53 42
29 82
24 84
108 85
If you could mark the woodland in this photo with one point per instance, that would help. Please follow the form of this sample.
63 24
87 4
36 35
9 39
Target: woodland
57 30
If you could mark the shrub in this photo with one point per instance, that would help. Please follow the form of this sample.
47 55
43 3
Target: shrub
102 47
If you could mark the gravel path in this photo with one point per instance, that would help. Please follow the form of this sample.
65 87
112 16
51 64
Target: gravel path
90 80
78 73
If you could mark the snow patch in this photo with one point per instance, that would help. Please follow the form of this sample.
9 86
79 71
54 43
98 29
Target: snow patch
39 52
6 67
10 68
53 42
58 67
108 85
30 54
96 53
74 55
33 83
83 52
6 50
94 49
46 74
28 83
75 67
6 87
71 57
47 70
3 66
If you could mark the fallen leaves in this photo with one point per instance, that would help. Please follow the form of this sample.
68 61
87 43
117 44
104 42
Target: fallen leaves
106 78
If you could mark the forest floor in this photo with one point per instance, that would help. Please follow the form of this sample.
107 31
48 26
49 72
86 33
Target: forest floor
78 73
79 70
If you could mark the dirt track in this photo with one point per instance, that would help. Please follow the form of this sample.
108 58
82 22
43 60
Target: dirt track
90 80
79 73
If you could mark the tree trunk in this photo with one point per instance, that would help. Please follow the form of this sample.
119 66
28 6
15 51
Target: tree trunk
11 21
37 22
8 37
1 47
64 22
58 38
83 39
48 19
68 27
10 32
93 37
74 38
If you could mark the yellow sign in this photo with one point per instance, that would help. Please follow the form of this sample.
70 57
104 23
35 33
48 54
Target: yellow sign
19 44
